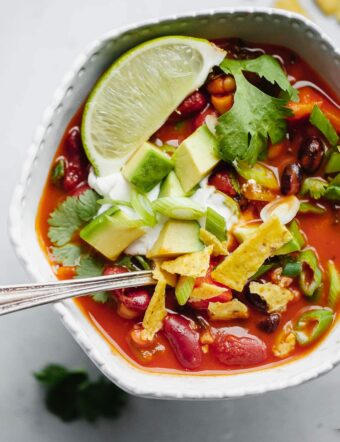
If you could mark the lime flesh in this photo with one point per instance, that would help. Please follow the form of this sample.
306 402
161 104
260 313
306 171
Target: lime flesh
138 93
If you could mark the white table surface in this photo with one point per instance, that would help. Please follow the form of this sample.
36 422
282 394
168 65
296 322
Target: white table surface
39 40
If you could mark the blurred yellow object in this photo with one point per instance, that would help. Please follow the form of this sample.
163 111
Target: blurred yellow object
292 5
330 7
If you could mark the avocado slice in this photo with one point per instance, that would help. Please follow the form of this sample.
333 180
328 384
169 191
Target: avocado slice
176 237
111 232
195 158
171 186
147 167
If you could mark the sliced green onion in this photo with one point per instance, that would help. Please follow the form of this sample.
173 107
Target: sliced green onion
311 274
103 201
179 208
292 269
143 262
263 269
215 224
142 205
322 319
133 263
232 205
184 288
262 174
296 243
317 209
192 191
334 285
333 193
333 163
315 187
320 121
58 171
294 229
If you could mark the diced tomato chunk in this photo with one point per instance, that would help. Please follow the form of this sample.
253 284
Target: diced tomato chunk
222 181
203 304
239 351
310 97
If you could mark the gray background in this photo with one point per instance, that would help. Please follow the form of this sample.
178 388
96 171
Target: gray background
39 40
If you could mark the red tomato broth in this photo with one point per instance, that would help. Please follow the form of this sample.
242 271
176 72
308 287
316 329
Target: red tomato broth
321 231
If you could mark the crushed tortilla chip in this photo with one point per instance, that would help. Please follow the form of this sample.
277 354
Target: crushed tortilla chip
206 291
276 297
194 264
285 345
155 313
221 311
244 262
162 275
290 5
219 247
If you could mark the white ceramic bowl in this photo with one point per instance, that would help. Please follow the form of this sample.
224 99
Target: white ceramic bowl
260 25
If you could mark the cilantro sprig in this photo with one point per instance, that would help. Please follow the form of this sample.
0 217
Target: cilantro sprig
70 395
243 132
71 215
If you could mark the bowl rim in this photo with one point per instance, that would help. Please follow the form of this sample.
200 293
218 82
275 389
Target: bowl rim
62 308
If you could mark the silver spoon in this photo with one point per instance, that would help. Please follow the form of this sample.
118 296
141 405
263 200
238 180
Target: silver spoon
22 296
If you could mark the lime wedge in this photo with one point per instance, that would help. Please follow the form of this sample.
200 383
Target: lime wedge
138 93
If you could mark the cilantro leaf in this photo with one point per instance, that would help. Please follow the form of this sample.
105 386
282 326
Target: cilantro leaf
90 267
316 187
64 221
87 205
321 122
70 216
70 394
243 131
68 255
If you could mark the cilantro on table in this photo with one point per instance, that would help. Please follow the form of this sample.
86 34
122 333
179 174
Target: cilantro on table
71 395
71 215
255 116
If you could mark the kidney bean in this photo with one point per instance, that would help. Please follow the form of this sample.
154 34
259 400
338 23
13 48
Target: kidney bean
73 142
239 351
270 323
222 181
115 270
135 299
311 154
183 340
291 179
196 102
72 178
255 300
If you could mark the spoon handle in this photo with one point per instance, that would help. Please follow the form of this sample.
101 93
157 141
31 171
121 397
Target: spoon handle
19 297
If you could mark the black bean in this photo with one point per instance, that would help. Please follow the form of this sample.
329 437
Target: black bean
311 154
291 179
270 323
255 300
